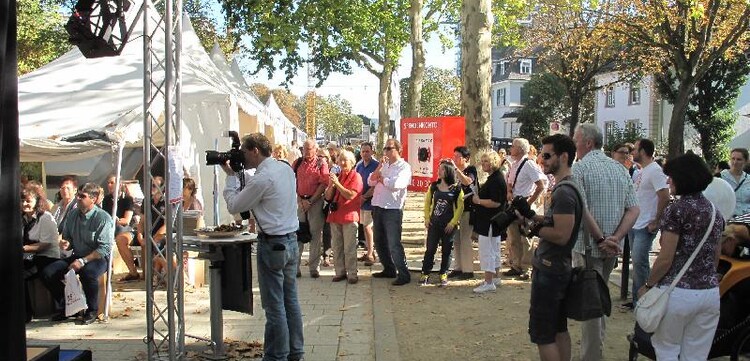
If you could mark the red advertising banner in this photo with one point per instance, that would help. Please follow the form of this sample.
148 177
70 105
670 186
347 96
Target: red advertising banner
425 141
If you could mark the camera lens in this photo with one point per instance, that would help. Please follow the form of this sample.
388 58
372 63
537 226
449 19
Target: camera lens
216 158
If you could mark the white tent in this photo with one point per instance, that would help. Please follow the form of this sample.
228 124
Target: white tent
78 109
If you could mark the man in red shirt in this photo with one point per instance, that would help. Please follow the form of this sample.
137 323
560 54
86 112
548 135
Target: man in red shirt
312 179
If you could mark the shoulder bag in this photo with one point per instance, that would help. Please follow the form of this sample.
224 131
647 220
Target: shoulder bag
587 297
303 232
651 307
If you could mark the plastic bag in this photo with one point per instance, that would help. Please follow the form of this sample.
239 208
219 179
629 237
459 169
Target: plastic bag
75 299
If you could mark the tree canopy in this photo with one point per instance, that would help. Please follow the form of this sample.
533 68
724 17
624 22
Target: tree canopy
441 94
41 36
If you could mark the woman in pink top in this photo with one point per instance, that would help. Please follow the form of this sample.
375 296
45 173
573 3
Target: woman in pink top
343 193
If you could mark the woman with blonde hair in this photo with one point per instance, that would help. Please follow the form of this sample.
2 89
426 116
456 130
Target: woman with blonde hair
489 200
279 153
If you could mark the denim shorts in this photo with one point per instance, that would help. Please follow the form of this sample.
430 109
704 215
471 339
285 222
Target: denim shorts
547 312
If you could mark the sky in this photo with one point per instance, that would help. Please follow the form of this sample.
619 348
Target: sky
361 87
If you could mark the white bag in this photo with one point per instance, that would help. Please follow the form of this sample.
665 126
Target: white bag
75 299
651 308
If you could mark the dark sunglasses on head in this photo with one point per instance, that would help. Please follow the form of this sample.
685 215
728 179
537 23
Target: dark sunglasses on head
546 156
389 148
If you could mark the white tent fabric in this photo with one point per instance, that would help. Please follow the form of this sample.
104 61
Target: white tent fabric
73 95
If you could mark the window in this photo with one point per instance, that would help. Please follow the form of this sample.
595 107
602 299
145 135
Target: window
632 125
503 67
500 101
635 94
525 66
609 128
609 94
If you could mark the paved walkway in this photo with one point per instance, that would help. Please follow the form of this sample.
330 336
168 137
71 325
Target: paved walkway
341 322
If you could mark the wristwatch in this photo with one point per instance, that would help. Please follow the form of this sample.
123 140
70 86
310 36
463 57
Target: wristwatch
600 239
82 260
647 285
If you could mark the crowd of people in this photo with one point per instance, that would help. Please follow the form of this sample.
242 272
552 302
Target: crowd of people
79 231
546 204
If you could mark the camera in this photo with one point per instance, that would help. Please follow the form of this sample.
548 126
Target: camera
506 216
234 155
333 206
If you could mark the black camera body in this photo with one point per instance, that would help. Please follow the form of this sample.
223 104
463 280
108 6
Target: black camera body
234 155
508 214
333 206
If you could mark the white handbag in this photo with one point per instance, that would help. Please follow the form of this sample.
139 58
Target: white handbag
652 306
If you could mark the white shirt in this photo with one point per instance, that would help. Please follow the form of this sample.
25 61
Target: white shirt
525 183
45 231
391 192
270 193
648 181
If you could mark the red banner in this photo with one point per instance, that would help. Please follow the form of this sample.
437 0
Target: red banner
425 141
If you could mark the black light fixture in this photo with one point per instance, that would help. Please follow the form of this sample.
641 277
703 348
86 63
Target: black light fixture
98 27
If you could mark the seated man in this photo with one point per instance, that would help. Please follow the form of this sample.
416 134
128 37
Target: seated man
88 232
736 234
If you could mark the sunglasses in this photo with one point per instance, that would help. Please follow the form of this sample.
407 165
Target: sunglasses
622 152
546 156
388 148
81 195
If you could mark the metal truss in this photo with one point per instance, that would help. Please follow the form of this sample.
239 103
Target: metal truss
162 81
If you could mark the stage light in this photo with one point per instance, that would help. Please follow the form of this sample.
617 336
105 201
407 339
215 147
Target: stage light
98 27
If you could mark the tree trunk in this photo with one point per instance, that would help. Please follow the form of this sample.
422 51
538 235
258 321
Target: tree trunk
418 60
676 133
575 113
476 75
384 120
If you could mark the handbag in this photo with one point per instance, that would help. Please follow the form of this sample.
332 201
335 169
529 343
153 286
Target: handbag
587 296
651 307
303 232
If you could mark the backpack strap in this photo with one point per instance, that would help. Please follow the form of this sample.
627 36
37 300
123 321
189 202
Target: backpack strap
579 210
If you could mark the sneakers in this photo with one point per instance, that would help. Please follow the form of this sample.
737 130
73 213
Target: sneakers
443 280
424 280
485 287
497 282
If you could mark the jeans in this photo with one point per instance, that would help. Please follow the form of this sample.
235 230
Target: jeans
387 236
436 234
640 246
53 275
277 268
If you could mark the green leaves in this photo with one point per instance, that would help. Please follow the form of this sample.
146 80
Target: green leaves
441 93
41 37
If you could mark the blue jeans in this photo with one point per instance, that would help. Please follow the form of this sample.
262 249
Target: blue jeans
277 268
640 246
386 230
53 275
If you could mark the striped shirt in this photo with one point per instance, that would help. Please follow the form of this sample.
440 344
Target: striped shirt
608 191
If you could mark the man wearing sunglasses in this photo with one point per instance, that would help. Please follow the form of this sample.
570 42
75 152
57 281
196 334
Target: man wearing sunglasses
390 180
88 232
611 201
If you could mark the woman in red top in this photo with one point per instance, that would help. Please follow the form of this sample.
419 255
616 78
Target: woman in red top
343 193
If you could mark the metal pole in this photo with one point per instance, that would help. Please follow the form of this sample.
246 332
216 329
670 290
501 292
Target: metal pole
625 275
148 98
118 169
216 187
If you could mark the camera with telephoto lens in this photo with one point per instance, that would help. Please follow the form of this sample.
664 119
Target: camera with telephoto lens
508 214
234 155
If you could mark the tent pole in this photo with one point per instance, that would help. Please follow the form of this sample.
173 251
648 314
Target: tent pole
44 176
216 187
115 197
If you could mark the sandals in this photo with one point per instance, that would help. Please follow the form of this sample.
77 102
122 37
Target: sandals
130 278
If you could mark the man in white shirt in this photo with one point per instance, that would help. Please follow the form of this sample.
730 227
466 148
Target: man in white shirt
270 195
390 180
524 179
652 192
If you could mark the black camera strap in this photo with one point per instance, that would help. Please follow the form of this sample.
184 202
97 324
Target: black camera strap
518 171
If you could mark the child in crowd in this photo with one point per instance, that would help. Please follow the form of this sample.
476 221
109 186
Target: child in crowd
442 211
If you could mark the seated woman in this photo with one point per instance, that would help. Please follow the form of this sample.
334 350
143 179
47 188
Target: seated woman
39 235
736 236
124 235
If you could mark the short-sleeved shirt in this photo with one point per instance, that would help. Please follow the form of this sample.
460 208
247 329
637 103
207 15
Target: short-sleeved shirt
549 256
443 205
495 189
93 231
123 204
364 172
470 172
43 229
522 177
310 175
348 209
649 180
689 217
741 191
607 191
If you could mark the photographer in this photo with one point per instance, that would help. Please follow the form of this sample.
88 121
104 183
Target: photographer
552 263
269 194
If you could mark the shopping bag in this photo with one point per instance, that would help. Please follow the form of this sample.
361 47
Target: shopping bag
75 299
651 307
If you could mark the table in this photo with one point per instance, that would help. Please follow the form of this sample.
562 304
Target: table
210 249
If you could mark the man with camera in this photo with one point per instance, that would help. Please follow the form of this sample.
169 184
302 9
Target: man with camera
611 201
525 180
269 194
312 179
552 265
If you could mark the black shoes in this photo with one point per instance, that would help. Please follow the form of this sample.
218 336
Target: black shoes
89 318
512 273
314 274
383 275
455 274
400 282
58 317
466 276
